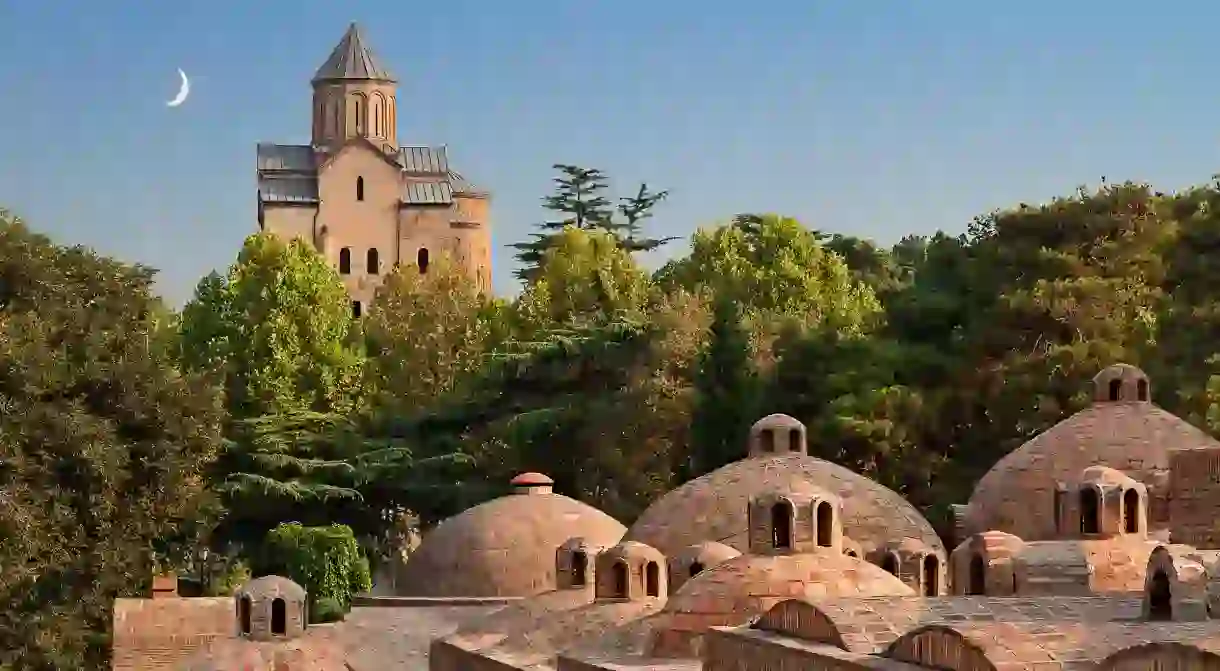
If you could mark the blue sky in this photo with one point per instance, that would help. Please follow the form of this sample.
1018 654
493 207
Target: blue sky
870 118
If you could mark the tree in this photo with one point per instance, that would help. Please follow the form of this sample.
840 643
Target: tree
581 201
725 394
104 444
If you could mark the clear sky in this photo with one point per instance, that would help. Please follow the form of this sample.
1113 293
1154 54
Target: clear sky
871 118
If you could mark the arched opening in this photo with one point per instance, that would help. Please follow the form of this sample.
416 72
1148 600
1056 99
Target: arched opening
580 566
1090 511
1131 511
977 585
345 261
781 526
794 440
357 309
360 111
304 616
372 262
766 440
619 577
1060 493
279 617
243 614
359 188
1160 597
825 522
1141 390
931 575
1116 388
889 563
422 260
652 579
695 568
851 553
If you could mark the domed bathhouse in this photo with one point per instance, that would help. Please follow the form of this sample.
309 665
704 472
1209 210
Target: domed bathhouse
1090 547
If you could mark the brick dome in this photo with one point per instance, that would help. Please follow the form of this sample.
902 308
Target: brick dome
1128 433
302 654
713 507
504 547
740 589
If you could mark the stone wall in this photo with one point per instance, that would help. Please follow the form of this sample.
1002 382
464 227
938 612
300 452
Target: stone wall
1194 497
157 634
444 656
741 651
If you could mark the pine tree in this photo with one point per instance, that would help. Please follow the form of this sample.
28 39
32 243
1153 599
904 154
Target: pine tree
726 393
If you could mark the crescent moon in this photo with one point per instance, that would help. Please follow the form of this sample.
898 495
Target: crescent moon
183 92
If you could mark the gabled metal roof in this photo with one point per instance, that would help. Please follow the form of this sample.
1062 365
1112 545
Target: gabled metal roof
352 59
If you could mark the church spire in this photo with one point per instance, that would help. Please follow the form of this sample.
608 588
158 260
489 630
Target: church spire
352 59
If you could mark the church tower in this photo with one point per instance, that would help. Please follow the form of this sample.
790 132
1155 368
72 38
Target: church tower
354 96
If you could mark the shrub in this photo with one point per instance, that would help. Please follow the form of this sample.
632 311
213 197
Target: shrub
326 610
326 561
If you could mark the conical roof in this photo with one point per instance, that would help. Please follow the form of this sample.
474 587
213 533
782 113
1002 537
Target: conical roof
352 59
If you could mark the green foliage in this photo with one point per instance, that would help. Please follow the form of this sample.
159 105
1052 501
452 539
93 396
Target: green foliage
726 394
326 610
326 561
103 444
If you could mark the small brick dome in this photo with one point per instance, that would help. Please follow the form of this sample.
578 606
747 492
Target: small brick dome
1128 434
504 547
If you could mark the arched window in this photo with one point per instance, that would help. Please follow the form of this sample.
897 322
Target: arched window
931 575
1131 511
619 576
652 579
1116 388
1141 390
345 261
372 262
781 525
356 308
580 566
359 188
360 111
794 440
1090 511
243 614
825 522
695 568
422 260
889 563
377 117
1160 597
978 577
1060 496
766 440
279 617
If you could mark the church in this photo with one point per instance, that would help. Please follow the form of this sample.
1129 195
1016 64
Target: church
366 203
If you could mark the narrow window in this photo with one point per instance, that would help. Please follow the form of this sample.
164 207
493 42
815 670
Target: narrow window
421 260
794 440
279 617
377 118
356 309
1116 387
851 553
978 577
372 262
781 526
1131 511
359 116
359 188
695 568
580 566
1090 511
1060 494
345 261
889 564
931 575
825 521
620 580
1160 597
243 613
1141 390
652 579
766 440
304 617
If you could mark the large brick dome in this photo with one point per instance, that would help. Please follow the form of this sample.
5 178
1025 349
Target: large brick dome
504 547
1122 430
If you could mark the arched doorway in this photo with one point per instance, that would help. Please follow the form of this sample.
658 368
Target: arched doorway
931 575
1131 511
825 522
781 525
977 585
422 260
279 617
652 579
580 566
1160 597
619 576
1116 389
1090 511
889 563
243 614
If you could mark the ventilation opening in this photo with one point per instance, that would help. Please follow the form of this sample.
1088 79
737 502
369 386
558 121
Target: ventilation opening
931 575
345 261
977 585
695 568
1090 511
781 526
580 566
1116 388
619 578
851 553
357 309
766 440
794 440
889 564
1131 511
1060 493
1160 597
422 260
652 579
1141 390
825 521
279 617
243 614
372 262
359 188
